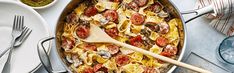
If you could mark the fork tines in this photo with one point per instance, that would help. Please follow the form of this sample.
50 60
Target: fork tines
18 20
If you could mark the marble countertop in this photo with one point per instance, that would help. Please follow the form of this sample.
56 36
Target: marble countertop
201 38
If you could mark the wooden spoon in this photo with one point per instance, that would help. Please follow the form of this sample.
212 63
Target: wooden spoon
97 35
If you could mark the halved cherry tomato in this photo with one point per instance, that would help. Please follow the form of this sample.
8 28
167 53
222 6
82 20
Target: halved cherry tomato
71 18
161 41
113 32
137 19
90 11
88 70
164 28
111 15
97 67
150 70
82 31
166 54
122 60
141 2
170 49
67 44
136 41
113 49
133 6
90 47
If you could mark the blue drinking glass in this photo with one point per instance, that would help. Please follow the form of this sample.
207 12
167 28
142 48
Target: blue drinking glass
225 51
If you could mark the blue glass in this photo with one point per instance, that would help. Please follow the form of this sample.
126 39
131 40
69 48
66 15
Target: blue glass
225 51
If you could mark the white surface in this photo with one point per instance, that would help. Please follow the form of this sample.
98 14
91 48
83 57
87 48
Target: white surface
25 57
202 39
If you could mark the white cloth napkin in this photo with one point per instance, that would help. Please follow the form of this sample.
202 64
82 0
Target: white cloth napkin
223 16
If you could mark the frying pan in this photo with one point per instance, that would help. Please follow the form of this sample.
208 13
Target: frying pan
74 3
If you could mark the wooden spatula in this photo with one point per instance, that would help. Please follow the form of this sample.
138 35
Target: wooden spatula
97 35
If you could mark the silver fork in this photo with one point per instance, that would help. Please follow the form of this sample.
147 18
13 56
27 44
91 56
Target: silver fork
16 32
26 32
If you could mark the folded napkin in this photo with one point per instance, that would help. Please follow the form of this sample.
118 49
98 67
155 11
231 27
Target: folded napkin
223 15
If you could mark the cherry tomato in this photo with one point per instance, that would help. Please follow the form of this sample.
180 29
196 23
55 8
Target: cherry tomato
111 15
137 19
136 41
67 44
170 49
133 6
150 70
113 32
164 28
88 70
122 60
113 49
161 41
90 11
166 54
71 18
82 31
97 67
90 47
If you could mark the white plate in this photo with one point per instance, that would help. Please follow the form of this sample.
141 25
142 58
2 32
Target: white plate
24 58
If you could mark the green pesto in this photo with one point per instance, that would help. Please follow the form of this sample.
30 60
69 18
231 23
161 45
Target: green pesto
36 3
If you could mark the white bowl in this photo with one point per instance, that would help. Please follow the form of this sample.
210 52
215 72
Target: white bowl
41 7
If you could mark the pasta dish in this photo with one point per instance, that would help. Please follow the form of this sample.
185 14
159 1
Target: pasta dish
146 24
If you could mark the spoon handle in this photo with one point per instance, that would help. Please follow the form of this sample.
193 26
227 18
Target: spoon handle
166 59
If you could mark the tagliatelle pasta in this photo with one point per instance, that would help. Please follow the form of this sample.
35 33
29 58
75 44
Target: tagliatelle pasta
110 64
124 25
79 10
173 34
100 7
155 49
153 35
133 68
138 23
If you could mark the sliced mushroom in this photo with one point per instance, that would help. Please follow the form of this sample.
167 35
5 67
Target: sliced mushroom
145 32
163 14
152 26
104 54
68 58
77 62
148 42
74 59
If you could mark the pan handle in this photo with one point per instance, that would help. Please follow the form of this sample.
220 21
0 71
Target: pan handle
44 57
198 12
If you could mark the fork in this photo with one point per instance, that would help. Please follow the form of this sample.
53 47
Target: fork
26 32
16 32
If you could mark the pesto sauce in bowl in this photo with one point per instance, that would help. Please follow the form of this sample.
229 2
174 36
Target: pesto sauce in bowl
36 3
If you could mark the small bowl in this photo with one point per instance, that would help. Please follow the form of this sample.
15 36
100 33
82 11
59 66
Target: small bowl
41 7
